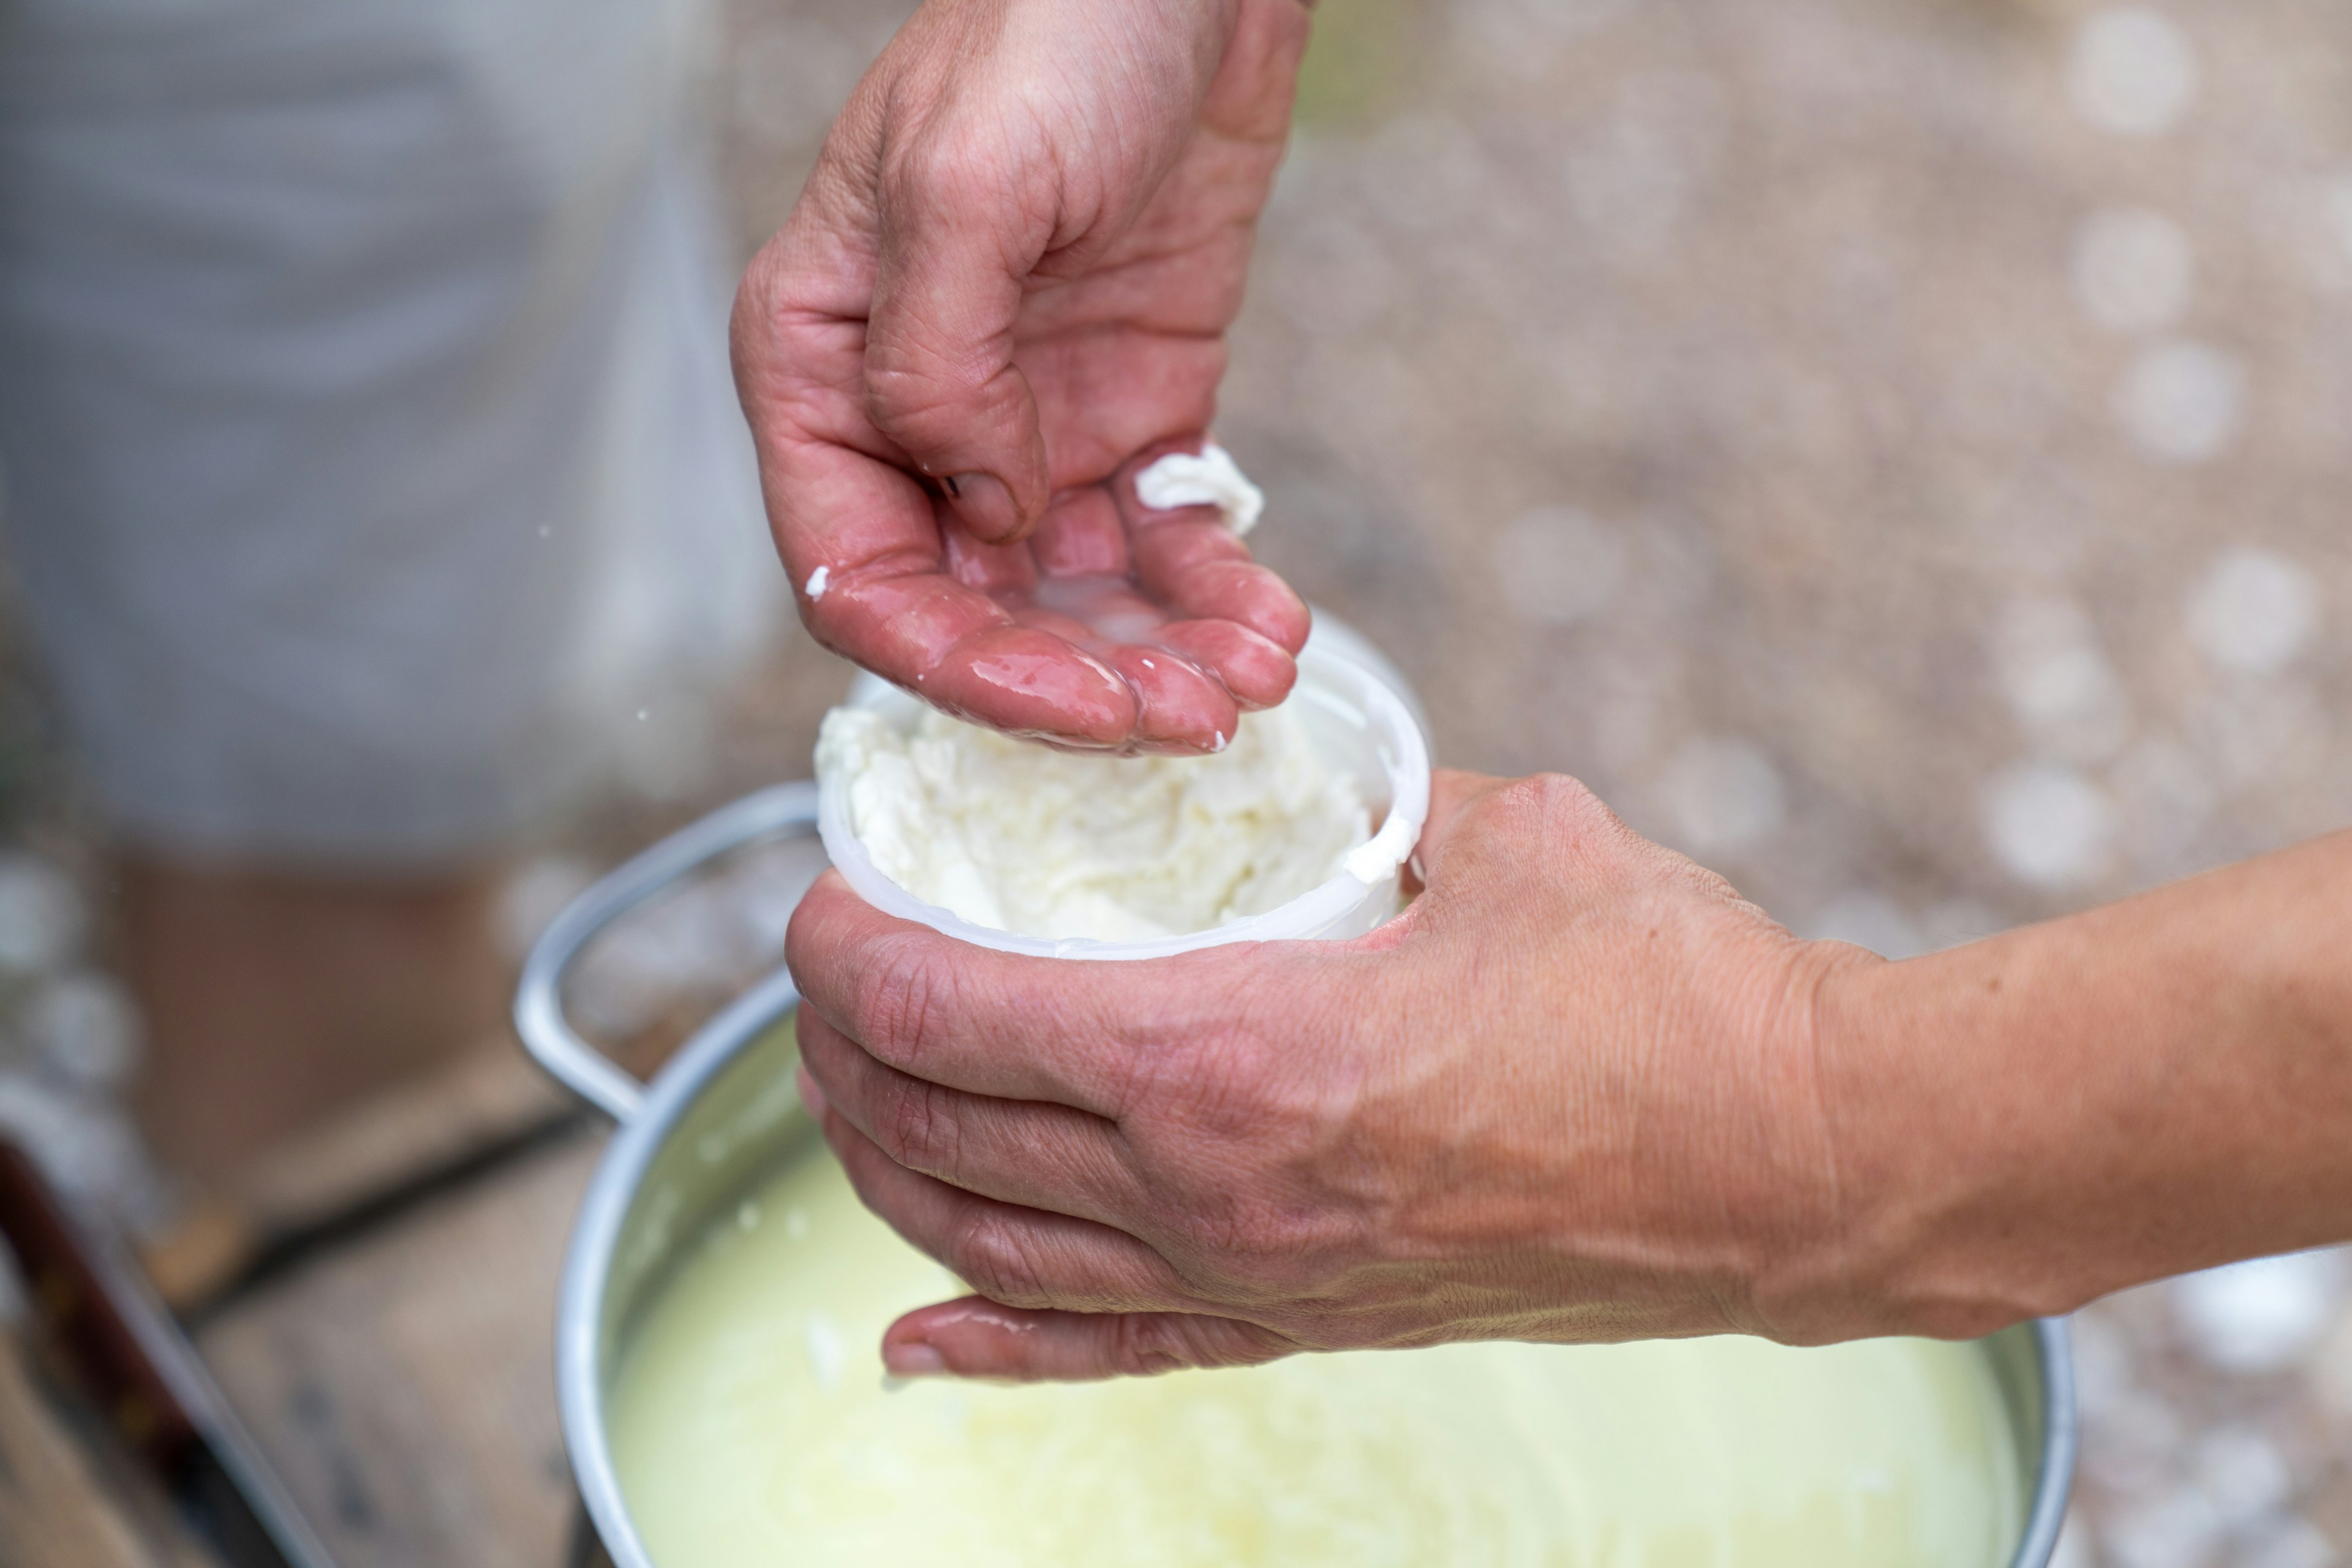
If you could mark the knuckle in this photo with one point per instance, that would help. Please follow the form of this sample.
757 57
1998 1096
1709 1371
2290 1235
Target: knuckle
916 1128
991 1256
912 388
931 171
1556 801
1235 1342
1550 811
749 321
903 998
1145 1345
965 173
931 390
764 279
1228 1086
1235 1252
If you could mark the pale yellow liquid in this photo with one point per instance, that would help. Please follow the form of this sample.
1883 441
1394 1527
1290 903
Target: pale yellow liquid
752 1429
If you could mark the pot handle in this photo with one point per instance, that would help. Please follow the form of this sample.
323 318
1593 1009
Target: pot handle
539 1018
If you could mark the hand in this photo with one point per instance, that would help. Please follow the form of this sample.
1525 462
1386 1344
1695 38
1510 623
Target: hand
1005 287
1569 1095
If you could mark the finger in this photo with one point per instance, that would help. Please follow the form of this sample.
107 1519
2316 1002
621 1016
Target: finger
1163 281
1187 558
948 641
1180 709
1451 792
940 380
974 1337
1042 1156
862 541
1081 535
1110 606
1190 562
1106 394
996 570
1258 673
1001 1023
1030 682
858 535
1018 1257
1078 633
1249 99
959 649
1212 586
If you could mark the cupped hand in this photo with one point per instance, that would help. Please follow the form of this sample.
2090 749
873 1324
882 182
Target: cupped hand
1004 289
1571 1094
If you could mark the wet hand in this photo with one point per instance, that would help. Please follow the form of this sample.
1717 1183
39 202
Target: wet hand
1002 292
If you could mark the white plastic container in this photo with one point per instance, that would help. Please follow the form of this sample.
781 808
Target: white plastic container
1360 716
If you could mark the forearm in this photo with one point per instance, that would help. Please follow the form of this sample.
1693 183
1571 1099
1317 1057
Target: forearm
2158 1085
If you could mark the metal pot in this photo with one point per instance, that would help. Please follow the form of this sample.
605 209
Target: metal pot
724 1113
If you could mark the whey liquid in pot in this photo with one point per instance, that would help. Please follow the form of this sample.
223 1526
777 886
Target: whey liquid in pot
751 1427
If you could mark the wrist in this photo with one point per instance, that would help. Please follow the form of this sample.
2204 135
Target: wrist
1815 1280
1945 1144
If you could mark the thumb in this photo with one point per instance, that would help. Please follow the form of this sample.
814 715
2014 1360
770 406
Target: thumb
1451 792
976 1337
941 382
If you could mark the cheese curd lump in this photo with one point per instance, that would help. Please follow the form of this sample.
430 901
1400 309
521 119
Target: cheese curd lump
752 1429
1020 837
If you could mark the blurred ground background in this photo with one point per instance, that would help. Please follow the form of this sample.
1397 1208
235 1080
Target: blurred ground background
1897 450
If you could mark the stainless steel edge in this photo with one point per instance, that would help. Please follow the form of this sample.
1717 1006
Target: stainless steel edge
2054 1478
588 1262
539 1018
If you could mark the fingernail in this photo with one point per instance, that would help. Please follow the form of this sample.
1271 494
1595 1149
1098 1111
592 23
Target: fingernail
914 1358
810 1096
985 506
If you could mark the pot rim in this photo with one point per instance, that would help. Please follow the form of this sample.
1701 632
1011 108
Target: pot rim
588 1260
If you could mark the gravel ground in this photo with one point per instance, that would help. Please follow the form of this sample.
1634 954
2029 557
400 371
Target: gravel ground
1892 449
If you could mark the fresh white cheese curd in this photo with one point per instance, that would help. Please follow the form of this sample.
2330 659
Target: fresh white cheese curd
1017 837
751 1428
1213 478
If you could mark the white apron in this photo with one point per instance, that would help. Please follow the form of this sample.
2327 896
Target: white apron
369 455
